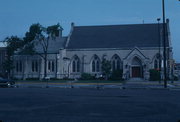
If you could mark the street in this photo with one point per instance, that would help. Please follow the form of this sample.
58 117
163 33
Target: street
89 105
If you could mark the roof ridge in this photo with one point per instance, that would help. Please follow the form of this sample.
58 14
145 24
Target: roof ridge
116 25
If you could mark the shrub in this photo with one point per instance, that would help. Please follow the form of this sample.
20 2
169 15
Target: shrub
66 78
32 79
117 75
176 78
1 75
86 76
154 75
106 68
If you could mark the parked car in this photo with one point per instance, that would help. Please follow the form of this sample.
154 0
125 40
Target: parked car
6 82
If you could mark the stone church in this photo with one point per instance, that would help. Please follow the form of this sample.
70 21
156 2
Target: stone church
134 48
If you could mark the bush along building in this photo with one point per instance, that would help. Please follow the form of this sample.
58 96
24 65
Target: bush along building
3 52
134 49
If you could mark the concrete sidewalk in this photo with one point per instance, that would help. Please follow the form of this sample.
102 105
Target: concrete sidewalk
125 85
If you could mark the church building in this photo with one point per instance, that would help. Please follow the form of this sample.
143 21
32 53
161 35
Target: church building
134 48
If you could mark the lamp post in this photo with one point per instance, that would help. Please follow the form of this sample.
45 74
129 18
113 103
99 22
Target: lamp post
158 19
164 44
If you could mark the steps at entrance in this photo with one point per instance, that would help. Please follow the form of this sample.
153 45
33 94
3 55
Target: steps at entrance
136 80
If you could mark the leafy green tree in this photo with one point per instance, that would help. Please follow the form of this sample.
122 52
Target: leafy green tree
28 45
40 36
106 68
43 38
13 43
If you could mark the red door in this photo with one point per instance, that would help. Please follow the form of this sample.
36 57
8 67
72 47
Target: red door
136 72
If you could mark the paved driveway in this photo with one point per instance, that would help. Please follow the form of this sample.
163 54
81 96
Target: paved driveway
89 105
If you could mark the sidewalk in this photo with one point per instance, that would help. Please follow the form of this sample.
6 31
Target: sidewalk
68 84
126 85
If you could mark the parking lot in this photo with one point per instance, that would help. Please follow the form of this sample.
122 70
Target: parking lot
89 105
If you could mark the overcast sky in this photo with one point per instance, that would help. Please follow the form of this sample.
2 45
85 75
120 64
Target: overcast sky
17 15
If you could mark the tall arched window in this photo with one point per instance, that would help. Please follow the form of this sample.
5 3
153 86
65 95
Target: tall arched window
155 64
95 64
34 66
19 66
75 64
157 61
116 63
51 65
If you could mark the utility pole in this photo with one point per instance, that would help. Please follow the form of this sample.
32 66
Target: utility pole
159 56
164 44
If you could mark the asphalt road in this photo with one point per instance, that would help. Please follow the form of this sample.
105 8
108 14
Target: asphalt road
89 105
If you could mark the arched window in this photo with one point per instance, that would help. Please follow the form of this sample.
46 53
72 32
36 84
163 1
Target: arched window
34 66
75 64
136 61
157 61
155 64
116 63
78 66
51 65
95 64
19 66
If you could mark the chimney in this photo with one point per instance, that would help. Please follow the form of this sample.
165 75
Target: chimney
60 31
72 24
167 20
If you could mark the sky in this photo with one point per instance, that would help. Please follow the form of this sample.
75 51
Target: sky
16 16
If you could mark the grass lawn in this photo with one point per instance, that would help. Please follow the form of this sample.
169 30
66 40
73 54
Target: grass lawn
42 81
65 81
99 81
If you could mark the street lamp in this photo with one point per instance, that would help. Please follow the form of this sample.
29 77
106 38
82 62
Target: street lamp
164 44
158 19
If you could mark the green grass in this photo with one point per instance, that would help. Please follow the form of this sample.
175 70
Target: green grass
99 81
65 81
42 81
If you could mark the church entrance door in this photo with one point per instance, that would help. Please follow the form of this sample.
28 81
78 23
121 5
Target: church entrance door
136 68
136 72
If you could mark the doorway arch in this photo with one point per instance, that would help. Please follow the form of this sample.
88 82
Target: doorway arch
136 68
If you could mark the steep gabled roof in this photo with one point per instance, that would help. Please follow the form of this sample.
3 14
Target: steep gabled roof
54 45
114 36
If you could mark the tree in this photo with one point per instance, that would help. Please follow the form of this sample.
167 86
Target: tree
28 45
154 75
40 36
37 35
13 43
106 68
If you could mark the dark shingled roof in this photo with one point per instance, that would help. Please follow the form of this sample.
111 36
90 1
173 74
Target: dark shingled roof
114 36
54 45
